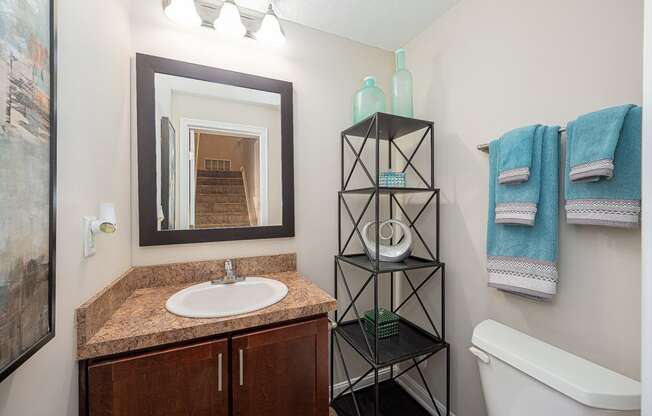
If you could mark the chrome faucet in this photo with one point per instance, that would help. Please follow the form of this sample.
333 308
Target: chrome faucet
229 275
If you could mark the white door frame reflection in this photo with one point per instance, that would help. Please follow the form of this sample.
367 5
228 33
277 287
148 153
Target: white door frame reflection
187 167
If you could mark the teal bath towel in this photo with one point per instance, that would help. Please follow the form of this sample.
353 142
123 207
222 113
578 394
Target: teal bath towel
595 137
515 161
522 259
517 203
615 202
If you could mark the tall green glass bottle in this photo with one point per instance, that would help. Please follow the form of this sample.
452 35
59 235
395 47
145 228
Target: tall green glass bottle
368 100
402 104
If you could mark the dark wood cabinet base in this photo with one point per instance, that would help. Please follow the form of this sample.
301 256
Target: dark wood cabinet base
275 371
281 371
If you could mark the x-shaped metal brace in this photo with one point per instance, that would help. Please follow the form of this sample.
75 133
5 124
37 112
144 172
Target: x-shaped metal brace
356 222
412 222
358 154
415 293
408 160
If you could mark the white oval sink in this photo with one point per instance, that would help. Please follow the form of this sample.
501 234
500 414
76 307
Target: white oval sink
207 300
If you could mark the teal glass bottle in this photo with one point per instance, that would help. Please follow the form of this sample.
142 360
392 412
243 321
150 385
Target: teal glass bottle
368 100
402 104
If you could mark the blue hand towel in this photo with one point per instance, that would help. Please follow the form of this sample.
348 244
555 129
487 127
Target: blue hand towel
520 259
515 159
517 203
594 143
615 202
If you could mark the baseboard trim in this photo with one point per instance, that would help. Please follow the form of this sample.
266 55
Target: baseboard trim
410 385
366 382
420 394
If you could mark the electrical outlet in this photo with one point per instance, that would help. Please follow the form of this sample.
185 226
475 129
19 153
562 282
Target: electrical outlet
89 237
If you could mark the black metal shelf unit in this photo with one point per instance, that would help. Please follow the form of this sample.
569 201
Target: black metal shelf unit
414 344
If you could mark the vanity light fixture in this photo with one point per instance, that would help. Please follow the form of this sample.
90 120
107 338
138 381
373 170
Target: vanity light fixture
229 22
182 12
106 223
270 32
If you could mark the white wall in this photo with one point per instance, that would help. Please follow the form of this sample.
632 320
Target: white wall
93 166
489 66
326 71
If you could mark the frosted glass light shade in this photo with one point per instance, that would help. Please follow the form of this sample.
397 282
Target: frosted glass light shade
229 22
183 12
270 32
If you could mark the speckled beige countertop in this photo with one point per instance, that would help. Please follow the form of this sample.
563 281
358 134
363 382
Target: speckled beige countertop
130 314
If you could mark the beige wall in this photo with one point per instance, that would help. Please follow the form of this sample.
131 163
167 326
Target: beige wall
326 71
235 149
483 68
245 113
486 67
97 98
94 166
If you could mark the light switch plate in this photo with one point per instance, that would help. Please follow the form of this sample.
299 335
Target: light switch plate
89 237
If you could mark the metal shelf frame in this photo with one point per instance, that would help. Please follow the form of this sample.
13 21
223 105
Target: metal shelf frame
414 344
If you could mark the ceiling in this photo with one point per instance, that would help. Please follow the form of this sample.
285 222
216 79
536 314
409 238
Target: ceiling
365 21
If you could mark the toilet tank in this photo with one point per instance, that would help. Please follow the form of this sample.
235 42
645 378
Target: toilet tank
524 376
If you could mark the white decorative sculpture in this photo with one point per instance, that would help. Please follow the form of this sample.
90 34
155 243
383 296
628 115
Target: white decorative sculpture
390 253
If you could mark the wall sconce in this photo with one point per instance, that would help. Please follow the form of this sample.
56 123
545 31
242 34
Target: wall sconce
106 223
228 19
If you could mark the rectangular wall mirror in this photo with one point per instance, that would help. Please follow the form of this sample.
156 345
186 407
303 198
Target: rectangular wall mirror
214 154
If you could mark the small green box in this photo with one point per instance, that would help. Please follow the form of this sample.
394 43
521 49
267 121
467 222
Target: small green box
387 323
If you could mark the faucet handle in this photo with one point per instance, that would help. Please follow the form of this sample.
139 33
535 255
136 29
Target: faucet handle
229 274
228 268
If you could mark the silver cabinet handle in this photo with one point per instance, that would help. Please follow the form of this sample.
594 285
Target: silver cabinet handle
219 371
241 363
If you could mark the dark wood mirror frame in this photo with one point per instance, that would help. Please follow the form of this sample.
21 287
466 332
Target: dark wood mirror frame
146 68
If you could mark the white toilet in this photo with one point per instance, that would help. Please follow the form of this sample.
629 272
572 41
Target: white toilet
524 376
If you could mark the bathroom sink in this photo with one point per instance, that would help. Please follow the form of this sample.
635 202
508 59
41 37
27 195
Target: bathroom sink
208 300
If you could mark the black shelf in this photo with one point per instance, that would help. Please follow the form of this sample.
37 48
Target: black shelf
411 263
389 191
412 342
394 401
390 126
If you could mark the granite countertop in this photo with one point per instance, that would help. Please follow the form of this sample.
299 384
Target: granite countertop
138 319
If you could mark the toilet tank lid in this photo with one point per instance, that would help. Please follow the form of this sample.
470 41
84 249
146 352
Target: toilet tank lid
580 379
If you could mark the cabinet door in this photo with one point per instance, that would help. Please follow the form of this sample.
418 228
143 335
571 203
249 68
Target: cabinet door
282 371
185 381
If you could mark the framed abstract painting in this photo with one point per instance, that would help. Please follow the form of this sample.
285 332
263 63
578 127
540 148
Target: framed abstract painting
27 179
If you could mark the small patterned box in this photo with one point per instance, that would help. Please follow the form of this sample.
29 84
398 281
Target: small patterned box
392 179
387 323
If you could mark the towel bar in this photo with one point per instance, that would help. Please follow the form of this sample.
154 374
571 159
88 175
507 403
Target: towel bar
484 147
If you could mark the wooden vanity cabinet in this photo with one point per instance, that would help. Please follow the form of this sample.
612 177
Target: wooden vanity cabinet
183 381
281 371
